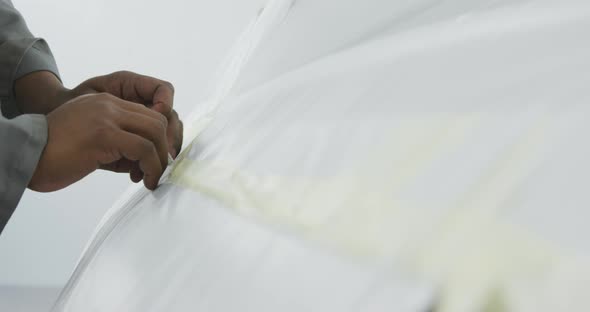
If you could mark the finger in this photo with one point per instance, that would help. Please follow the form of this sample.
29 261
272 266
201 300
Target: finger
148 128
120 166
155 93
123 166
136 148
164 97
174 127
163 111
140 109
160 92
175 134
135 173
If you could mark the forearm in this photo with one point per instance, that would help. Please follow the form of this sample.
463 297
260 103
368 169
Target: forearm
29 61
40 93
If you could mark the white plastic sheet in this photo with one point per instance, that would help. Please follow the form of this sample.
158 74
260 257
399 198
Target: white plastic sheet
371 156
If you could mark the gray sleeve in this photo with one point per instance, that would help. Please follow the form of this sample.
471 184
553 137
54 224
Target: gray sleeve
20 54
22 139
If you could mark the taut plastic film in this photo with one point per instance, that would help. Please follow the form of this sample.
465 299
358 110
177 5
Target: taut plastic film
370 156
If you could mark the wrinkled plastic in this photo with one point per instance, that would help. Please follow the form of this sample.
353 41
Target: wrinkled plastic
370 156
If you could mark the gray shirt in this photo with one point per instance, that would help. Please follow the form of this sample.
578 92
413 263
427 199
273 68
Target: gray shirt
22 137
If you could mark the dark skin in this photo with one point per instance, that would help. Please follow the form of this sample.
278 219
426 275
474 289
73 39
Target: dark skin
122 122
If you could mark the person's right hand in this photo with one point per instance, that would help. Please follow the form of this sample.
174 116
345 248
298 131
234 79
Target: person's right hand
101 131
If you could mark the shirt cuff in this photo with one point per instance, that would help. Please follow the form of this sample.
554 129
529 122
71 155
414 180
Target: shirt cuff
22 141
37 58
19 57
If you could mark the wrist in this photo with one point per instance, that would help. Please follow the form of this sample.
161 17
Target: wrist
40 93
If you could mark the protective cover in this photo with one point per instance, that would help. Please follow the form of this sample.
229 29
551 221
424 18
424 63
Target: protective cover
372 155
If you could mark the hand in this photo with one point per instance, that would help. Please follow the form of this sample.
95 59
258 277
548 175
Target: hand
41 92
150 92
97 130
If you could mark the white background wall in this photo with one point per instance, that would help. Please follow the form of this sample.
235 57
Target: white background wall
182 41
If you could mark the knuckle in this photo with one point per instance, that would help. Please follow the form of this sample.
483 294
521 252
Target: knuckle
107 111
122 73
